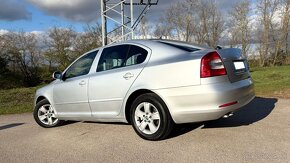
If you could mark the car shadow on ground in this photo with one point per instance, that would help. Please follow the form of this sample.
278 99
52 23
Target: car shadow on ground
64 123
255 111
113 123
10 126
69 122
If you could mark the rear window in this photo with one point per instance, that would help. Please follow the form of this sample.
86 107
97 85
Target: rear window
181 47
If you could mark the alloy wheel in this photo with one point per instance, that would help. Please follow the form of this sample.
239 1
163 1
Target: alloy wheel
147 118
46 115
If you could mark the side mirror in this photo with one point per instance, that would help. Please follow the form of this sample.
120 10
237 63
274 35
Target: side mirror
57 75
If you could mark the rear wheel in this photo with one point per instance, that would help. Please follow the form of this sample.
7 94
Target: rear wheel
150 117
44 114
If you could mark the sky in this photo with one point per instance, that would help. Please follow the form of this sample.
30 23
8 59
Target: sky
40 15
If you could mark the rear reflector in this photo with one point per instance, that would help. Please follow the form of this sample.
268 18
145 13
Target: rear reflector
212 65
228 104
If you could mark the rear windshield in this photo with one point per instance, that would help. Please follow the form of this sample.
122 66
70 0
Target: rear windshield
181 47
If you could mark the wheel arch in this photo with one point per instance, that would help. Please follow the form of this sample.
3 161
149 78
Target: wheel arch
39 98
131 99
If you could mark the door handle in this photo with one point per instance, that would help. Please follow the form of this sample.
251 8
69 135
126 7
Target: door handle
128 76
82 82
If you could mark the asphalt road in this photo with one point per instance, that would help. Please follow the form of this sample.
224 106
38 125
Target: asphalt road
260 132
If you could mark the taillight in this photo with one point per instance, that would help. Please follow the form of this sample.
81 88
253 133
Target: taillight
212 65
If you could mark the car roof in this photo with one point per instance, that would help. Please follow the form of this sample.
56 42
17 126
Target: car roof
177 42
156 44
150 42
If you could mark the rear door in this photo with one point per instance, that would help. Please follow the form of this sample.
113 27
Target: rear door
117 69
236 65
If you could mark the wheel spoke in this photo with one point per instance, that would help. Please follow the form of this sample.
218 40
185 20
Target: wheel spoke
50 108
53 115
152 127
42 117
155 116
50 121
42 109
139 113
147 107
142 126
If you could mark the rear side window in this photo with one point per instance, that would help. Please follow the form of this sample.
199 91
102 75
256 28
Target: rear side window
121 56
136 55
113 57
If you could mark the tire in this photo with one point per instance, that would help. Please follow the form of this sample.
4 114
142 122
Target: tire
44 115
150 117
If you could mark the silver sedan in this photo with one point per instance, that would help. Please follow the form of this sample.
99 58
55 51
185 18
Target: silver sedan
152 84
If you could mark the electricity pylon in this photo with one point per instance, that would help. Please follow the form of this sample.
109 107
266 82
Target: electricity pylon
114 10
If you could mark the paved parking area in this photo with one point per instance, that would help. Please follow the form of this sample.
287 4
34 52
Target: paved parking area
260 132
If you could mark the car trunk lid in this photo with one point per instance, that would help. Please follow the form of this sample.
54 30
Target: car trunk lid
236 65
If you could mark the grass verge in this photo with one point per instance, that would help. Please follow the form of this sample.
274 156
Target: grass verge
272 81
17 100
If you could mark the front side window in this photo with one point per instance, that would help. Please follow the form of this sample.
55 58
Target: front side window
81 66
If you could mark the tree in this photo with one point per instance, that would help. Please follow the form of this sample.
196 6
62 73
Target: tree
3 66
266 10
3 59
144 28
88 40
161 29
193 21
285 16
240 25
179 19
23 54
60 49
211 23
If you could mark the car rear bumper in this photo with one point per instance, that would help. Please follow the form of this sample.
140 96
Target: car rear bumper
201 103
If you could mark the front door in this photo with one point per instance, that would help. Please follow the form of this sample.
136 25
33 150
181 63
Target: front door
70 94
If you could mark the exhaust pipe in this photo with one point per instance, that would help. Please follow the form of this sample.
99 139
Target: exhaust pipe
228 115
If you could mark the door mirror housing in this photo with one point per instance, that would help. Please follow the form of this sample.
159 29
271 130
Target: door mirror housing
57 75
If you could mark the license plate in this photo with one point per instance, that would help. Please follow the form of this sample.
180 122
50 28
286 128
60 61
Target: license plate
239 65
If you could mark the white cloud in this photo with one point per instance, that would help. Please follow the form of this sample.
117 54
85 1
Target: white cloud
3 31
74 10
37 32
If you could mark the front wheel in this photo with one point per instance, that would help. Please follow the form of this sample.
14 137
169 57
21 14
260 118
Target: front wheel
150 117
44 114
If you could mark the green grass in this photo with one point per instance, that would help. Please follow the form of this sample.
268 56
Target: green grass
17 100
269 81
272 81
